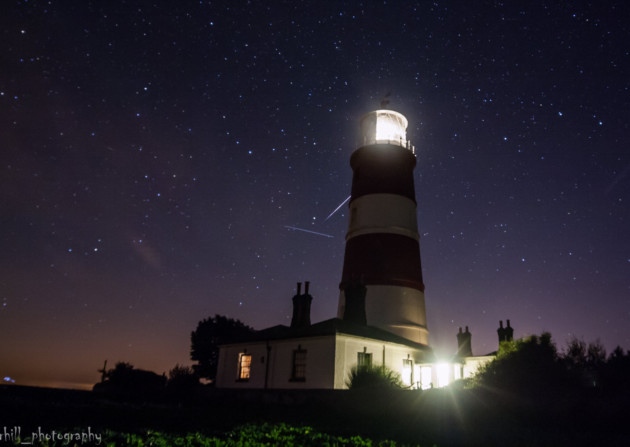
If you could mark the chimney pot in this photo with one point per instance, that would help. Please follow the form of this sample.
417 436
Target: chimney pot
306 284
509 332
301 308
464 346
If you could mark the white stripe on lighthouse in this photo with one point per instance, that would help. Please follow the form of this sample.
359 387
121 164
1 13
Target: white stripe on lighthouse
383 213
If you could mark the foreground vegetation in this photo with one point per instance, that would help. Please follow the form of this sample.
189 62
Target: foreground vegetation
263 435
444 417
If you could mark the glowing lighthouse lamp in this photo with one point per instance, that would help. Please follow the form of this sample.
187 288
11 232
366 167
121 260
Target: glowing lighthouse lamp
385 127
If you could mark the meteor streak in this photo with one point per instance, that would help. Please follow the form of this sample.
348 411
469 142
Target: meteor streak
307 231
337 209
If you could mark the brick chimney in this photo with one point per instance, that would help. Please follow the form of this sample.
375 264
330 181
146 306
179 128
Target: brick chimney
509 332
301 307
505 333
464 345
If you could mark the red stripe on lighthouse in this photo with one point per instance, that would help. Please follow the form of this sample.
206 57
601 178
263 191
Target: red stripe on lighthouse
383 258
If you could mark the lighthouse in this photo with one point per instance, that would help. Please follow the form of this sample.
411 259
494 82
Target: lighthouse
382 252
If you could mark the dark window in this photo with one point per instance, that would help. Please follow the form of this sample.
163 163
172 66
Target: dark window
364 359
298 372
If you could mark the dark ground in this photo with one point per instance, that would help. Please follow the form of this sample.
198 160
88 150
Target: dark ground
435 417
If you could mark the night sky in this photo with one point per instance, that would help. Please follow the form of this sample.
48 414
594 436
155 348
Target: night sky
162 162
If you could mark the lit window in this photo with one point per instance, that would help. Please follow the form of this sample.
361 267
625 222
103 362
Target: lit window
364 359
244 366
298 373
457 371
407 372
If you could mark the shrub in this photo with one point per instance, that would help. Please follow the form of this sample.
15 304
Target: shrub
373 377
261 435
529 365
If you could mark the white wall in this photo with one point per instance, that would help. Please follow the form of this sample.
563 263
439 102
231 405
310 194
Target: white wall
227 372
348 346
472 364
319 364
329 360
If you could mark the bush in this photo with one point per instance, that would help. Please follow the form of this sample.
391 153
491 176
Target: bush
125 381
527 366
263 435
373 377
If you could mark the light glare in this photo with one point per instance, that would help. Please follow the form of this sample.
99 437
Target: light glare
391 126
406 375
426 375
443 374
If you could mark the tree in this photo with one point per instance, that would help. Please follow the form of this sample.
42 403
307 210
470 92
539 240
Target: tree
527 366
205 340
121 373
616 372
182 381
585 362
182 377
575 354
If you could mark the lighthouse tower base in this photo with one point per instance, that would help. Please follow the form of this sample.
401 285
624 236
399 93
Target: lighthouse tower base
395 309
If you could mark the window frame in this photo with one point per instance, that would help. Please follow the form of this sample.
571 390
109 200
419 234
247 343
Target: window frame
364 359
244 370
298 365
407 365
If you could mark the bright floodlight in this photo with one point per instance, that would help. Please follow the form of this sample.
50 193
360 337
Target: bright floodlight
384 127
443 374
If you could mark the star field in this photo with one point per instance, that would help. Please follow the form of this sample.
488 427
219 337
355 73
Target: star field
162 162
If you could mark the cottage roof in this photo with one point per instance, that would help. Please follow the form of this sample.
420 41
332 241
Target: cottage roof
332 326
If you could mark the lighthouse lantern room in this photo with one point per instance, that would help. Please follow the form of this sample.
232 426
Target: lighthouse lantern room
384 127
